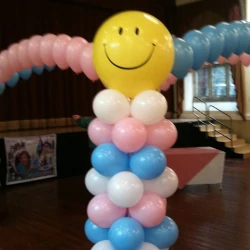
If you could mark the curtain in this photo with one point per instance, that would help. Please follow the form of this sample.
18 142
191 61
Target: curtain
235 13
237 74
49 100
179 97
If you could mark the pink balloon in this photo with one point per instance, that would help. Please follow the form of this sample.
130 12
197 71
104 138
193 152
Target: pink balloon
34 51
149 211
5 70
129 135
171 80
164 202
23 55
2 77
73 52
46 48
100 132
233 59
86 62
245 59
13 58
103 212
165 86
207 64
59 51
162 135
221 60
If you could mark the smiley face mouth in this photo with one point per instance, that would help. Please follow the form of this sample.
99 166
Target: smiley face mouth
134 67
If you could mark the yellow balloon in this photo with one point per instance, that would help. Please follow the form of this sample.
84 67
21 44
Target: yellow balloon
132 52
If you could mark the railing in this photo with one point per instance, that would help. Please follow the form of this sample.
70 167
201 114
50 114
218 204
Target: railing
209 120
222 124
200 112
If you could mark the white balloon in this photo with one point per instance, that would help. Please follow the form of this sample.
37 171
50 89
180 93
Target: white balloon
103 245
125 189
148 246
111 106
95 182
165 185
149 107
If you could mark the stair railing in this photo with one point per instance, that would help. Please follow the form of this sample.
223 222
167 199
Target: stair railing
209 120
212 119
197 115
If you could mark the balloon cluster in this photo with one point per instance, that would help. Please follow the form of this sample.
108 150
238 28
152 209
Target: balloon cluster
222 43
129 177
48 51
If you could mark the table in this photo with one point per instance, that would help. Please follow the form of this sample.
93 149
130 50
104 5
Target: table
195 166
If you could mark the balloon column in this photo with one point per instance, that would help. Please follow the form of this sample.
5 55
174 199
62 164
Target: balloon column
129 177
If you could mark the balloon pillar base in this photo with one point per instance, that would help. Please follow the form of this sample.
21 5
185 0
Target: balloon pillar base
130 179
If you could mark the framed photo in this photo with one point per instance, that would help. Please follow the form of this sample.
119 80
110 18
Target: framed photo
30 158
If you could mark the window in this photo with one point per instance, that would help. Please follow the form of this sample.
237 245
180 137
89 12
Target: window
215 84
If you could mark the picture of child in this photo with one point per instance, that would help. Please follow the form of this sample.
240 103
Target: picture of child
30 158
24 164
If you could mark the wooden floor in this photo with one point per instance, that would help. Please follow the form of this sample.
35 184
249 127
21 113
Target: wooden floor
49 215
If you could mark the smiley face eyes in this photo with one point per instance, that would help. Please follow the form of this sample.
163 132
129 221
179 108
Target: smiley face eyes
120 31
137 31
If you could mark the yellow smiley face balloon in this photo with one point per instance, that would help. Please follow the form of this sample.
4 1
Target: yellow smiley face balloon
132 52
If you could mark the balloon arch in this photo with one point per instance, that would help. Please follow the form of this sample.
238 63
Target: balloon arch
135 57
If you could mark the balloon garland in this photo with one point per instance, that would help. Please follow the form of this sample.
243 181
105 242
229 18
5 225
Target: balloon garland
224 42
129 179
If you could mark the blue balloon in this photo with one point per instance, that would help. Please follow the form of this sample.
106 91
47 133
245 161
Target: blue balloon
12 82
49 68
25 74
38 70
108 160
163 235
216 40
230 36
184 58
2 88
126 233
243 39
200 46
148 163
94 233
247 27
